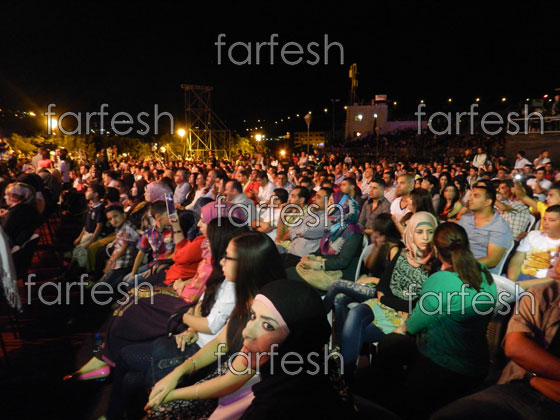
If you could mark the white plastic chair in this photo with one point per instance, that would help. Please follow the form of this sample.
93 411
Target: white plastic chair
500 266
530 223
365 243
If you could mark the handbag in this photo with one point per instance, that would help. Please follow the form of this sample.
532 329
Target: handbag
320 279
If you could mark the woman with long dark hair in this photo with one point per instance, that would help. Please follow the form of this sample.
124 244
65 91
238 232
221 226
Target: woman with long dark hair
251 261
443 343
387 243
419 200
450 206
204 322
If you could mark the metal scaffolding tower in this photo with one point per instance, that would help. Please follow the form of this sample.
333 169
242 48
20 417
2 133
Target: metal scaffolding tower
206 133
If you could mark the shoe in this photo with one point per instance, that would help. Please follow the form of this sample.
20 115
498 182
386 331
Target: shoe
100 373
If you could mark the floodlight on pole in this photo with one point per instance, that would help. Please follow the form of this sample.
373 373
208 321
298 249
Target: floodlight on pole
307 119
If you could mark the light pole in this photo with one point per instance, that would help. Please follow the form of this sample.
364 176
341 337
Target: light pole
333 102
307 119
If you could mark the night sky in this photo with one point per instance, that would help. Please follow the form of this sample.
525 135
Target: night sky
131 57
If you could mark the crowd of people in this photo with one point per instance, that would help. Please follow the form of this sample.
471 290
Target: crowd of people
250 255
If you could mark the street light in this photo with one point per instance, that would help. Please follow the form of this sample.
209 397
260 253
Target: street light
258 137
181 132
307 119
52 124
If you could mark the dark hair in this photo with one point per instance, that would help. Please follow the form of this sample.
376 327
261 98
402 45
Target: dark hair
507 182
452 243
303 192
351 181
158 207
328 190
281 193
521 153
553 209
112 195
434 181
114 207
443 200
449 179
219 232
489 191
261 175
380 182
555 187
384 224
98 189
236 185
258 263
422 201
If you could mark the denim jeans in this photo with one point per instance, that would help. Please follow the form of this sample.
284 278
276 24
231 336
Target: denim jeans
358 328
339 295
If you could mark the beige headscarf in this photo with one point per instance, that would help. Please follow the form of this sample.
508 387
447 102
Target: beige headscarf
414 256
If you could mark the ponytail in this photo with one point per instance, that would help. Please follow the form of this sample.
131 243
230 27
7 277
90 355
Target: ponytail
466 266
452 244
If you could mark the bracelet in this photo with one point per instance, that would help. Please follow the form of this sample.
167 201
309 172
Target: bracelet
197 394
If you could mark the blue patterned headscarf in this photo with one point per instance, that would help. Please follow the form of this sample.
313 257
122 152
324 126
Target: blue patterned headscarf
343 218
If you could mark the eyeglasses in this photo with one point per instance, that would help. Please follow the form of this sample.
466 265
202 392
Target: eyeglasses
225 257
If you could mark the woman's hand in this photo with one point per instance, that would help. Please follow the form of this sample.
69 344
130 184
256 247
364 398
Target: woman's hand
380 295
400 330
160 391
185 338
179 285
367 280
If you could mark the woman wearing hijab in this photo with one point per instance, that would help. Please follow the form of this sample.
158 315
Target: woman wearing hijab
443 342
339 250
408 269
287 317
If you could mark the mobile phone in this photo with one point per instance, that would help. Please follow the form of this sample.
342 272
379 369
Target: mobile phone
518 177
171 210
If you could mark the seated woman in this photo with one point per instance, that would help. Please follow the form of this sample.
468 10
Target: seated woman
134 364
287 317
387 243
420 200
251 261
443 342
21 218
409 268
451 205
144 319
339 250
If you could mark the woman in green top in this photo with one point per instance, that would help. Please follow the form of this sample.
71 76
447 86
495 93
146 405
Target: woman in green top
443 343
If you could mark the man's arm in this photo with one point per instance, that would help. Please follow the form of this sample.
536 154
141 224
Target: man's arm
522 196
495 254
530 356
514 267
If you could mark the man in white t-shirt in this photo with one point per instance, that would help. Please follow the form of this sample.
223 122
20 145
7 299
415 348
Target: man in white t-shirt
266 188
540 185
399 206
536 252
